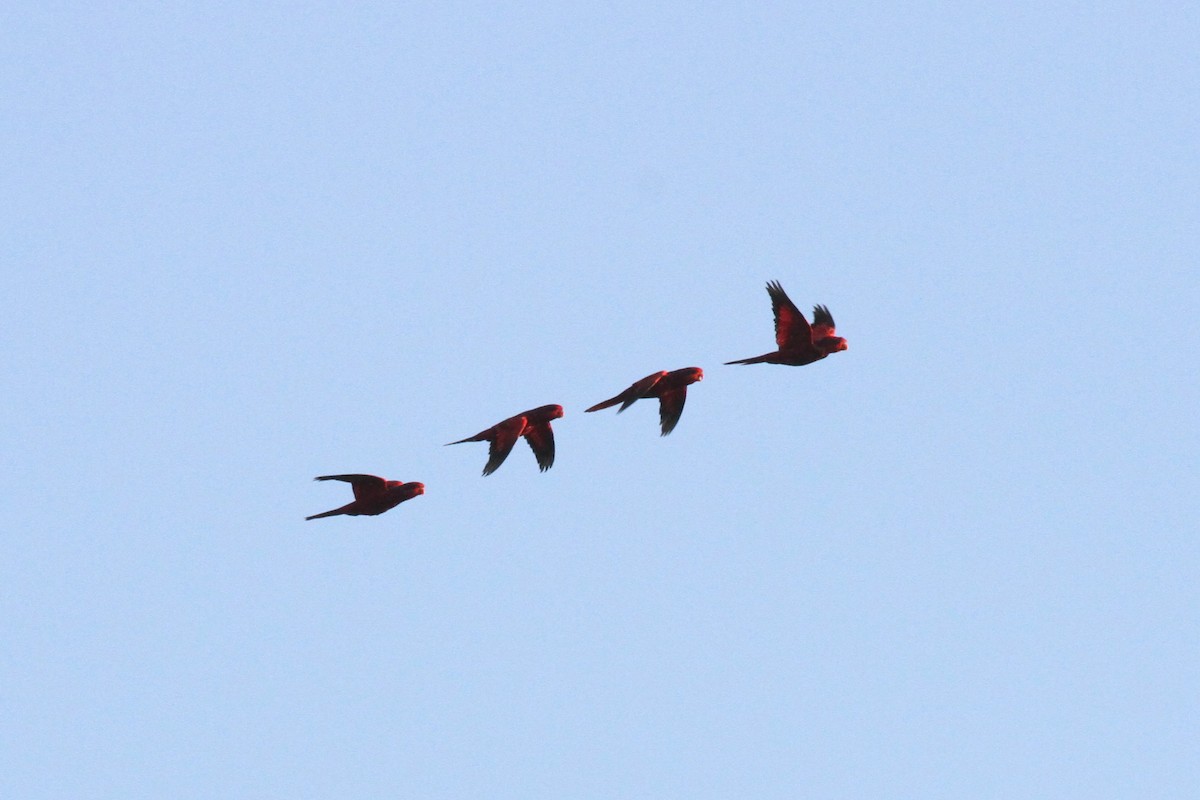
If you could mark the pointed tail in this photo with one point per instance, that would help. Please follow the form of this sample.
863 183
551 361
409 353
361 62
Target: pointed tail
755 360
479 437
609 403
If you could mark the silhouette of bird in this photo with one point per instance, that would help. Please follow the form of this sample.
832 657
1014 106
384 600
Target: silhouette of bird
669 387
798 342
372 495
533 425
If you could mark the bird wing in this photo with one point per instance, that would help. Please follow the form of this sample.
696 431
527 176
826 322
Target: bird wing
638 390
822 324
791 328
504 436
670 408
541 442
365 486
643 388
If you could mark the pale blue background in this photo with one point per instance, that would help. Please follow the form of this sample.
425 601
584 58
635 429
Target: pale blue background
247 245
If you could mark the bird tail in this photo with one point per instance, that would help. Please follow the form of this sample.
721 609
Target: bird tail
333 513
625 398
754 360
479 437
612 401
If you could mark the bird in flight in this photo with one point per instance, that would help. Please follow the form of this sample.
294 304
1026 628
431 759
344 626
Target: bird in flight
798 342
669 387
533 425
372 494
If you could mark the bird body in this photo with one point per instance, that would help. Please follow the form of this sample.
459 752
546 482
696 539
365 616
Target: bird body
669 387
532 425
372 495
798 342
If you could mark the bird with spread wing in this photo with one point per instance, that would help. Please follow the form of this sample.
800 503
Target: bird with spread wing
532 425
372 495
669 387
798 342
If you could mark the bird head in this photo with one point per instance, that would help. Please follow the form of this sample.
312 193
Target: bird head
689 374
833 344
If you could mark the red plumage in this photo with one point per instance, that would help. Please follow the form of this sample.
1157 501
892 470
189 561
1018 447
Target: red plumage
798 342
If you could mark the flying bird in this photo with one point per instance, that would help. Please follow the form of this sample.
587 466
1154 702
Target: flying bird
533 425
669 387
798 342
372 495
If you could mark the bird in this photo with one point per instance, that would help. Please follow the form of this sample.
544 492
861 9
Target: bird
372 494
798 342
533 425
669 387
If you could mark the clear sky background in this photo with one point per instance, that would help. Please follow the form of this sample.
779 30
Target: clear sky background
249 244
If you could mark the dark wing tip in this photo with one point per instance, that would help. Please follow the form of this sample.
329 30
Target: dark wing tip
354 477
540 439
778 295
670 409
821 316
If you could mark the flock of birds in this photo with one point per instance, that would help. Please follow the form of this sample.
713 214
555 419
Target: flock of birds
797 343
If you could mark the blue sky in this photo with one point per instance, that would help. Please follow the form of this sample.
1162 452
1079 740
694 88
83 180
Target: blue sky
249 244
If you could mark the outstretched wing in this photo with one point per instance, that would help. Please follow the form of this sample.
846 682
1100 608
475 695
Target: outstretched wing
365 486
541 441
791 328
670 408
644 388
504 436
822 324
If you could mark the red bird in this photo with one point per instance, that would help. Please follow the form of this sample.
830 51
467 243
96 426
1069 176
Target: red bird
372 495
669 387
798 343
534 425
